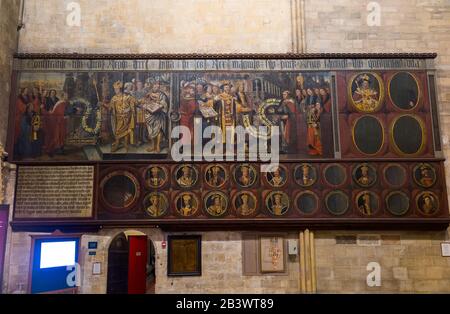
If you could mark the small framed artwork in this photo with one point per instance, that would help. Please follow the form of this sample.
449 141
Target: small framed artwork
272 254
184 256
445 247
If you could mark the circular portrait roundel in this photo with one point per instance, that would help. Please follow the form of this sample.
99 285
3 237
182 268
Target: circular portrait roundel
305 175
186 204
216 176
367 203
186 176
216 204
245 175
404 91
155 177
364 175
394 175
278 177
335 174
156 204
337 203
424 175
397 203
277 203
307 202
120 190
366 92
427 203
245 204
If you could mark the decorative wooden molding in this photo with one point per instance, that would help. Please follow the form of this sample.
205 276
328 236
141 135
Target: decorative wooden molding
229 56
3 155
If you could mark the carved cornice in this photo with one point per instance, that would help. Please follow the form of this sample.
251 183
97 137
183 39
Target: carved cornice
229 56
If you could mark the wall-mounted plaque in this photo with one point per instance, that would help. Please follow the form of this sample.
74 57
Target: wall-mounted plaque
272 254
54 192
184 256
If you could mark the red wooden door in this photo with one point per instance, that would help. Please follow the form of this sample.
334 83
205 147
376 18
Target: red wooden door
137 265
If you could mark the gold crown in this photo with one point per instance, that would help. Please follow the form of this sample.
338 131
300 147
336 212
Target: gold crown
118 84
225 82
364 77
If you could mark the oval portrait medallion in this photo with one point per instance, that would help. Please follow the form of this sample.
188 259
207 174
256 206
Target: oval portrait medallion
245 204
366 92
404 91
216 204
305 175
186 176
156 204
277 203
186 204
408 135
368 135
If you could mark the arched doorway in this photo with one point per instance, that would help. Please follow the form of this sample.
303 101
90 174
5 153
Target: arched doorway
131 264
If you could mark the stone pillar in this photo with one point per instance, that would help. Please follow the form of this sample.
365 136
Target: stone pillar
307 262
298 26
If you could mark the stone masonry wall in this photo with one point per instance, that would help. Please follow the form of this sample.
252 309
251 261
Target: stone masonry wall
9 15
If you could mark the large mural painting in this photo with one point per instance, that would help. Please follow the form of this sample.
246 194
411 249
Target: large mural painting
358 141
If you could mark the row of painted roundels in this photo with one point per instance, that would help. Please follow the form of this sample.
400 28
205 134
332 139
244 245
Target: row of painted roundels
305 175
278 204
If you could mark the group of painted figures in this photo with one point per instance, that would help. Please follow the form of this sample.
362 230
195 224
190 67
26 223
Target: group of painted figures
276 201
227 104
140 113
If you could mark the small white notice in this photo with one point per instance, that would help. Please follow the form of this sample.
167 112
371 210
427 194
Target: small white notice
445 246
97 269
